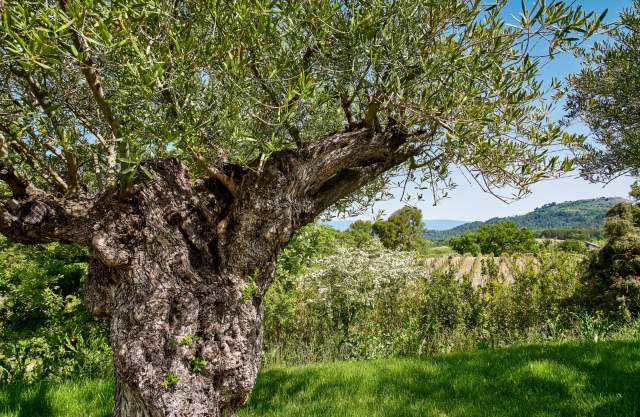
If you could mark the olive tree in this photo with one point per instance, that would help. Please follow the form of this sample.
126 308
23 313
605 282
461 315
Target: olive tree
185 141
605 95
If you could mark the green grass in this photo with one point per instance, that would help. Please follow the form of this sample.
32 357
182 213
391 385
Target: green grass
440 251
568 379
87 398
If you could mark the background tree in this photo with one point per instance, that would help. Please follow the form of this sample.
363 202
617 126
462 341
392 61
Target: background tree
184 142
497 239
359 232
612 282
402 230
606 96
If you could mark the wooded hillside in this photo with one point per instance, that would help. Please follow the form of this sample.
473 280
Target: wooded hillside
580 214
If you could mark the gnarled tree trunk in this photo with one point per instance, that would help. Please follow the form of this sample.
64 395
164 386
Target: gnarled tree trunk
180 267
182 280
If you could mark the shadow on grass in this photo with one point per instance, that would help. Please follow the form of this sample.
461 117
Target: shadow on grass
568 379
23 401
83 398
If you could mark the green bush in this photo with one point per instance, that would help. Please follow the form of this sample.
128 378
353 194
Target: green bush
357 302
495 239
45 331
612 278
574 246
336 295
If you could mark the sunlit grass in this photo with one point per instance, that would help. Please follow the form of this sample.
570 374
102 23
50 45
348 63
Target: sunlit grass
568 379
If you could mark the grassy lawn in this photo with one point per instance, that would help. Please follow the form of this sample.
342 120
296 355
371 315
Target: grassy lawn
568 379
88 398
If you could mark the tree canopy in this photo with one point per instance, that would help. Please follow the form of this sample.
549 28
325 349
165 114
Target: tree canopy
91 89
495 239
402 230
606 95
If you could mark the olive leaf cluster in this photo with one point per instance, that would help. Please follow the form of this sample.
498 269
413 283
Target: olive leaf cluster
89 89
606 96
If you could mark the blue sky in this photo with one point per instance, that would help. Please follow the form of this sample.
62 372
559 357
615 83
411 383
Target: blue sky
469 202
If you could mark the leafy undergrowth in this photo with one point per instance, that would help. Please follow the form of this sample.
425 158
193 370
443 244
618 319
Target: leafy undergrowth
568 379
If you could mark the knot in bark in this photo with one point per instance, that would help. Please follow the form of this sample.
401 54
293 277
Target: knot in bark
108 251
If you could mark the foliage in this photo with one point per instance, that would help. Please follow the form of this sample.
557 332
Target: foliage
240 81
573 245
570 234
554 220
606 96
497 239
45 332
334 297
402 230
367 302
198 364
170 380
635 191
359 232
613 274
188 340
307 245
250 286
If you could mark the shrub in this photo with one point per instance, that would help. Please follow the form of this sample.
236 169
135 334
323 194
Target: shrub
45 332
370 302
574 246
495 239
612 278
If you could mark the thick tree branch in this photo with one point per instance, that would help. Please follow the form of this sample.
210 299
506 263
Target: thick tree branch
17 184
36 216
330 169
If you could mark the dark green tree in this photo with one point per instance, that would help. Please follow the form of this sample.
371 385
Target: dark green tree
497 239
402 230
613 273
184 142
606 96
359 233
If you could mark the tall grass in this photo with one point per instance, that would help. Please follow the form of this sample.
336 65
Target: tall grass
74 398
367 304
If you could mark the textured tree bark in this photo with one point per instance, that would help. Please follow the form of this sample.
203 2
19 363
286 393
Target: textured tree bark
175 295
180 267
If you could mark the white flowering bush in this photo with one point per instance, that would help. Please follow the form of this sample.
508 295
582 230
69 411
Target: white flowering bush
354 284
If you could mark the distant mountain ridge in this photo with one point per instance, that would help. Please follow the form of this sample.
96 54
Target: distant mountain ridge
443 224
436 224
579 214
